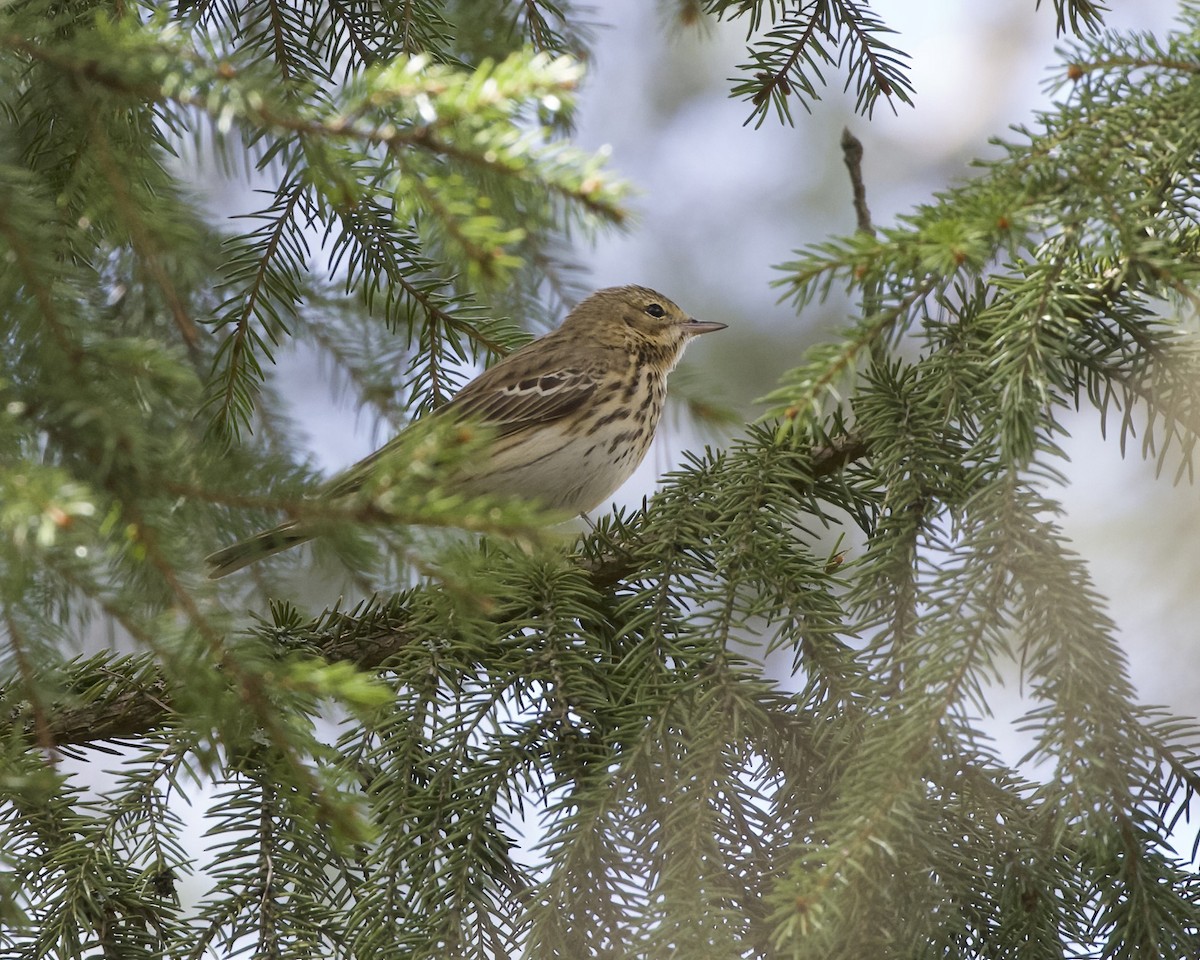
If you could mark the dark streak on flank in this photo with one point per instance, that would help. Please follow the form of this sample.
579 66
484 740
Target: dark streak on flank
621 413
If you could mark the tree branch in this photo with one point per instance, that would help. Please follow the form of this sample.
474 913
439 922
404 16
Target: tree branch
131 699
852 155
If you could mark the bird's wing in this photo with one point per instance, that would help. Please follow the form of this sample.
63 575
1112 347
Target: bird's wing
511 403
500 398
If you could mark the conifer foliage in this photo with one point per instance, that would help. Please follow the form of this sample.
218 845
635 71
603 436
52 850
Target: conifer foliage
520 744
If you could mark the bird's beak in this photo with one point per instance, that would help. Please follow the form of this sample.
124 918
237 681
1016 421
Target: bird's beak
694 328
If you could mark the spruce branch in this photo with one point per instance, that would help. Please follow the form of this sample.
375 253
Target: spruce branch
37 276
143 242
785 60
268 296
889 549
466 125
127 697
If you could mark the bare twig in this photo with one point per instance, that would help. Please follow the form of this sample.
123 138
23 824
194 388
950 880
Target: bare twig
852 154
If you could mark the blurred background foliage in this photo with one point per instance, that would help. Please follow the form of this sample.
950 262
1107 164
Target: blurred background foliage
753 717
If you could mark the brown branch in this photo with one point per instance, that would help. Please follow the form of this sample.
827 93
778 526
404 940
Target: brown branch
852 154
1077 69
125 709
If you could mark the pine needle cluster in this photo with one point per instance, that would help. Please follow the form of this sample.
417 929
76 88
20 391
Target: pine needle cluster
548 748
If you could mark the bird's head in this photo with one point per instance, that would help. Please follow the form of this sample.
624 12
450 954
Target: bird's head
638 318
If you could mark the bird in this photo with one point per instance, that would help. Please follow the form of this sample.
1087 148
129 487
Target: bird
569 416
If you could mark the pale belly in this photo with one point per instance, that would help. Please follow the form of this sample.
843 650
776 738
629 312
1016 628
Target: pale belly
570 473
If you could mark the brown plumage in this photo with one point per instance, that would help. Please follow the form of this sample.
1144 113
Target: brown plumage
572 414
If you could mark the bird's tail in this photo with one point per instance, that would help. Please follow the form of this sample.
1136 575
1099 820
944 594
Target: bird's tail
255 548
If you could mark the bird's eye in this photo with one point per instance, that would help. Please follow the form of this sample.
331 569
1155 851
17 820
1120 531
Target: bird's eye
655 310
